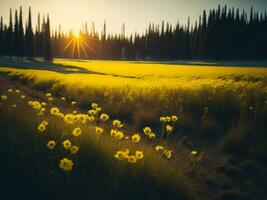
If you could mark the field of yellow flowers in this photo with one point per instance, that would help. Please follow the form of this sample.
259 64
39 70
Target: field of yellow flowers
125 130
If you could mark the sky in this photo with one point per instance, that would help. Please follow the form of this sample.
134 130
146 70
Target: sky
136 14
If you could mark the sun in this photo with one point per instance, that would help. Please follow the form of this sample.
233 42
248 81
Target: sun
79 44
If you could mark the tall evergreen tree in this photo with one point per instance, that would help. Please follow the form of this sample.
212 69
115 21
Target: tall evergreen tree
29 36
47 41
16 35
20 35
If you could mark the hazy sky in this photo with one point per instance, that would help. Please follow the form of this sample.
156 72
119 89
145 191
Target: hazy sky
135 13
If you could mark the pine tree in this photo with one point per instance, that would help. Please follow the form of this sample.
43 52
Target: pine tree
9 36
20 35
1 37
29 37
47 41
16 35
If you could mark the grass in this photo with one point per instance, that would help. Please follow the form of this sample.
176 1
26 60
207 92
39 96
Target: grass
217 106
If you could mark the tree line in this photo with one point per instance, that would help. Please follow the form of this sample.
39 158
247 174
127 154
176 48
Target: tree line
221 33
19 40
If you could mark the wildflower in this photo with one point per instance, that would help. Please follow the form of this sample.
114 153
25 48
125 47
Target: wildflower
126 138
132 159
4 97
162 119
94 105
99 130
36 105
14 106
66 164
104 117
136 138
23 96
169 129
91 118
174 118
54 111
119 134
152 135
17 91
98 109
69 118
48 95
74 149
168 119
113 132
193 153
168 154
117 123
63 98
61 115
139 154
73 103
50 99
51 144
45 123
147 130
159 148
74 112
10 90
92 112
66 144
77 132
41 127
44 104
120 155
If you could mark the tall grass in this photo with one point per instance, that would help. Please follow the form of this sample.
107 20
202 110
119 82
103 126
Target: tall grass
30 166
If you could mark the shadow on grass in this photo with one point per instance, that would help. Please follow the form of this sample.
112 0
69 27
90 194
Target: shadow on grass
44 65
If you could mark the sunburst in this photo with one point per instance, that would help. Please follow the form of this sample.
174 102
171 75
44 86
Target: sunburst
79 45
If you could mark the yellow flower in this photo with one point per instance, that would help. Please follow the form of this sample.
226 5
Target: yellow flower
61 115
91 118
174 118
54 111
77 132
66 164
168 154
117 123
98 109
66 144
17 91
159 148
92 112
4 97
113 132
94 105
10 90
136 138
132 159
147 130
168 119
41 127
119 134
74 149
45 123
169 129
74 112
73 103
104 117
99 130
50 99
48 94
120 155
23 96
162 119
63 99
51 144
36 105
139 154
44 104
69 118
193 152
14 106
152 135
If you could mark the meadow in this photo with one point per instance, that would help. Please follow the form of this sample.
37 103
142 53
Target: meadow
166 130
